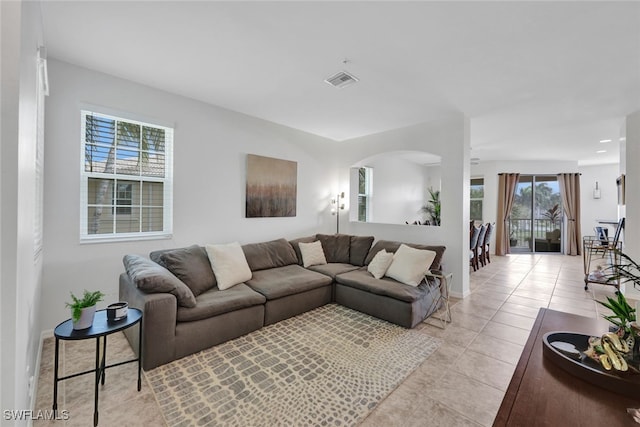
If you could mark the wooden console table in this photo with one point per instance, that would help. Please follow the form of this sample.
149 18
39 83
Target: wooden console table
543 394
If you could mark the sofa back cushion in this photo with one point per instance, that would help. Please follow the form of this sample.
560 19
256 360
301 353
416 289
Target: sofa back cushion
295 244
191 265
336 247
359 248
276 253
391 246
151 277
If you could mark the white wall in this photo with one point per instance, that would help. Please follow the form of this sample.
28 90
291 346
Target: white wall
20 269
398 190
632 193
606 207
210 150
448 139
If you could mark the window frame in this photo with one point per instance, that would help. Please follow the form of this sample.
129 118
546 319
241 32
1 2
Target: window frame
476 199
368 177
114 177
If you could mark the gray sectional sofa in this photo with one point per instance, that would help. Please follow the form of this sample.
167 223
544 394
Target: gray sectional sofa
185 312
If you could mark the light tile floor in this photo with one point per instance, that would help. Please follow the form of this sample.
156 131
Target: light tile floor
461 384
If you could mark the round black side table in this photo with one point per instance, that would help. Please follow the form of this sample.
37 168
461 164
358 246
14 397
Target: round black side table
100 329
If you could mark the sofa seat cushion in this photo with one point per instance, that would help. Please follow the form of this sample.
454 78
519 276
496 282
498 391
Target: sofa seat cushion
288 280
363 280
214 302
333 268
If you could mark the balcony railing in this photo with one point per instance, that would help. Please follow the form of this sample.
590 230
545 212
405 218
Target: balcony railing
520 230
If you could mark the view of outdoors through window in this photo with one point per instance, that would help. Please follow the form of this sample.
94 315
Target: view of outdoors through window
364 191
536 217
477 194
125 176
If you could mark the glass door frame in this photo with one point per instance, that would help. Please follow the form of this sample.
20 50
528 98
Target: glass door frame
533 181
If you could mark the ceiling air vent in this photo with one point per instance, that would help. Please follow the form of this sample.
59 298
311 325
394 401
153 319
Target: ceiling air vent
341 79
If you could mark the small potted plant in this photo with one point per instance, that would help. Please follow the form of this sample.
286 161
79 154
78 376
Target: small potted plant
623 314
83 309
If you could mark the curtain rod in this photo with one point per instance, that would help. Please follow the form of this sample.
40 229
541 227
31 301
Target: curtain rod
537 174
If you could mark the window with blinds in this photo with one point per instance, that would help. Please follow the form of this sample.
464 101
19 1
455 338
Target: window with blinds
126 179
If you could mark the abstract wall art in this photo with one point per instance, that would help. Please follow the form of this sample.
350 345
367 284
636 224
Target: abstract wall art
271 187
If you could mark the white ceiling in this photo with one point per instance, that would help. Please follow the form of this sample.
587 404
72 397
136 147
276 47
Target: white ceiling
539 80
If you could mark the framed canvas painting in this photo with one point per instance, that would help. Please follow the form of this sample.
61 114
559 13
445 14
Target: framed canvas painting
271 187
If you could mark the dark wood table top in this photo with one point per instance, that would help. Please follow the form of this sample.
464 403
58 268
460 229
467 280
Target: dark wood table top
100 327
543 394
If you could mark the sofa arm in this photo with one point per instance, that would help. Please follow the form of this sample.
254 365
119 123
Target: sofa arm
158 323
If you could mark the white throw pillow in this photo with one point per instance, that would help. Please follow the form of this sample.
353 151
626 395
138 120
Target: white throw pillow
228 264
312 254
380 263
410 265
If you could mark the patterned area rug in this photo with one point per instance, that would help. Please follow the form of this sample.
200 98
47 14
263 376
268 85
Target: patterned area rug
329 366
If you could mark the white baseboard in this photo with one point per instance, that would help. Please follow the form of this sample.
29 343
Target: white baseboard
36 372
459 295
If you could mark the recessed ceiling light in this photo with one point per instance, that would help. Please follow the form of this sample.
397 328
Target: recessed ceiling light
604 141
601 151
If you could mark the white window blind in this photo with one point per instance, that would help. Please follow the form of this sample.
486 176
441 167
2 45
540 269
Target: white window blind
38 217
126 186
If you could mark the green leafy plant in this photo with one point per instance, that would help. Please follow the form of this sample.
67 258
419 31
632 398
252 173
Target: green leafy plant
432 207
554 213
88 299
623 313
627 270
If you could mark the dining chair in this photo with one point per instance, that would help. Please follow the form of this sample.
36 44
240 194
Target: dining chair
485 252
473 247
479 244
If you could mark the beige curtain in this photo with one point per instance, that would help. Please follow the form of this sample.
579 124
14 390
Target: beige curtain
570 192
507 183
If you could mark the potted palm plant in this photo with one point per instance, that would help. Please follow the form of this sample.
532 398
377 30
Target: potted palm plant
432 207
83 309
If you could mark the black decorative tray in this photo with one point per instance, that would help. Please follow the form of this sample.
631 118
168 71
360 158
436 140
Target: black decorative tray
583 367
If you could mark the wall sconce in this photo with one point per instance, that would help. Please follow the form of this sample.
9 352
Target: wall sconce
336 207
596 192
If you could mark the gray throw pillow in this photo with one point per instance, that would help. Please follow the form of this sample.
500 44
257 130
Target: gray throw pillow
336 247
192 266
154 278
360 246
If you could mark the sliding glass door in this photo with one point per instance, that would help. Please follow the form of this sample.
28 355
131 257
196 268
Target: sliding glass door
535 224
